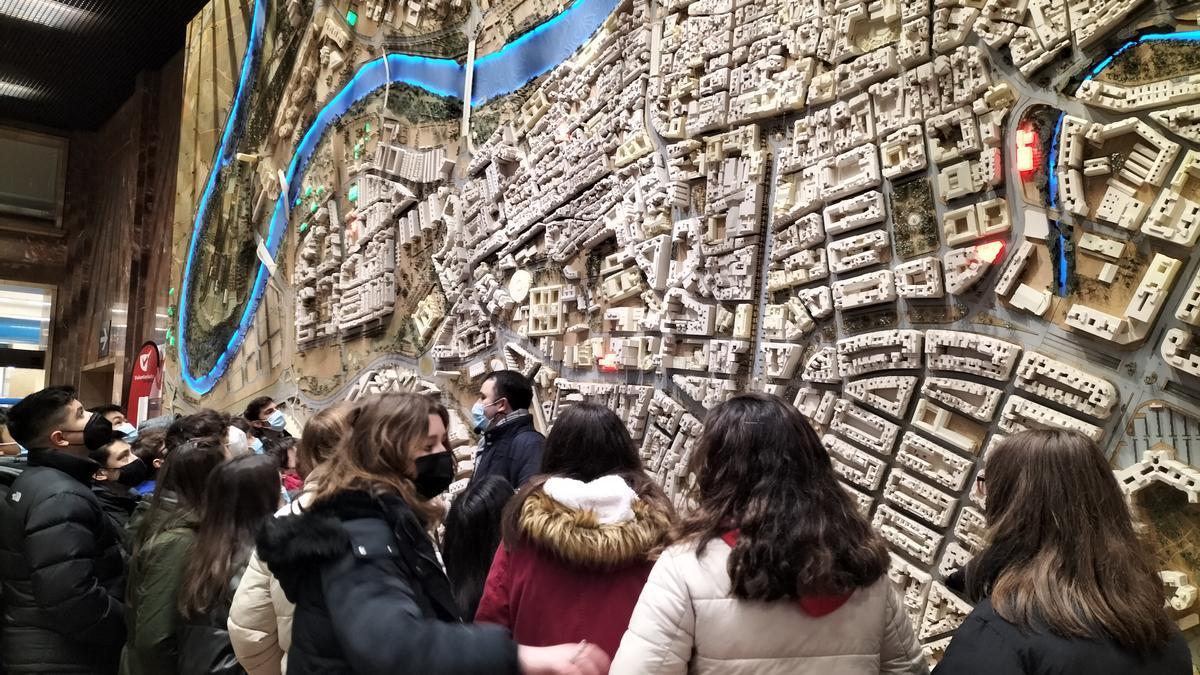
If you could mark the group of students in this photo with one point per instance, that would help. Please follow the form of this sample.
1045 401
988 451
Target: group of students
579 566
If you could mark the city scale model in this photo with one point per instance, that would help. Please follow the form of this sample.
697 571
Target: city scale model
929 225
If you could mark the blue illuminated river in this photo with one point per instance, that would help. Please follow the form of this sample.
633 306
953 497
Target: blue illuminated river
496 74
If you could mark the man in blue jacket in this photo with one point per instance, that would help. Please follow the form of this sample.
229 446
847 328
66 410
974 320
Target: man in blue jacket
511 447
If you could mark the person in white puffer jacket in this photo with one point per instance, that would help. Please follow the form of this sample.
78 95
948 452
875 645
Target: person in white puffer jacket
260 620
775 571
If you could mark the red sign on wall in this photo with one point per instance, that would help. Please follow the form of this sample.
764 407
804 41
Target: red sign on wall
145 385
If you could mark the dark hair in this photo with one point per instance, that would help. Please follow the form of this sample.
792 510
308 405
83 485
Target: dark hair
197 425
1062 552
760 469
588 441
321 435
150 445
512 387
245 425
255 407
102 454
107 408
472 536
276 447
241 494
38 414
180 489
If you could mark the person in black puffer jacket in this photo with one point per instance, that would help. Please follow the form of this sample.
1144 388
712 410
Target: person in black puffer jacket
358 563
62 569
120 470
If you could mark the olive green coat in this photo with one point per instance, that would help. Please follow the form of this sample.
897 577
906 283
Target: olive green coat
151 610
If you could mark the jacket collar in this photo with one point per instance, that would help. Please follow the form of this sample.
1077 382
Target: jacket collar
416 549
80 468
515 421
122 496
577 535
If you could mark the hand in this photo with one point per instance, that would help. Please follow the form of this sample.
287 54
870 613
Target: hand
569 659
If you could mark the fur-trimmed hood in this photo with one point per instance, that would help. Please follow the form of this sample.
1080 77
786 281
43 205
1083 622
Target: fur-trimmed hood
578 536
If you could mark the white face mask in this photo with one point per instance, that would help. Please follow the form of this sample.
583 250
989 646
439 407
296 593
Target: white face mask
236 438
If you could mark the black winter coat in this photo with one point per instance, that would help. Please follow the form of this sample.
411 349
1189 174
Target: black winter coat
119 506
204 644
370 595
986 644
63 575
511 450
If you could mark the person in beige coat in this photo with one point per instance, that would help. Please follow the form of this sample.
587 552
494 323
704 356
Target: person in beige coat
775 571
260 620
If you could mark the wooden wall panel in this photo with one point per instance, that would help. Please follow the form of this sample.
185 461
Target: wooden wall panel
117 224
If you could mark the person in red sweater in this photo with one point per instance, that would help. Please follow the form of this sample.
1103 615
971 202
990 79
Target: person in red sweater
580 539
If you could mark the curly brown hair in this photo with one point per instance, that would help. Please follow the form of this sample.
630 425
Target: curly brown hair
761 470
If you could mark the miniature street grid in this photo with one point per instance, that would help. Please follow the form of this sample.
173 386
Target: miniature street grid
928 226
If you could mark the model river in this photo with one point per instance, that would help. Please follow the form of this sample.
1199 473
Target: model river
495 74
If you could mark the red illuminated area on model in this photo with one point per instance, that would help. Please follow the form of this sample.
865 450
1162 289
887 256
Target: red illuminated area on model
989 252
608 363
1026 150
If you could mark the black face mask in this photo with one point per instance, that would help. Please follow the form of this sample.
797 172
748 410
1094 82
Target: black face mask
98 432
434 474
134 473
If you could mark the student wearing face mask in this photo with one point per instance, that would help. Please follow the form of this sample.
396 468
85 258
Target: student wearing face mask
115 415
151 448
119 472
511 448
60 559
360 565
264 413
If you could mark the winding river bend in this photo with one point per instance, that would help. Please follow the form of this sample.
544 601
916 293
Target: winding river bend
497 74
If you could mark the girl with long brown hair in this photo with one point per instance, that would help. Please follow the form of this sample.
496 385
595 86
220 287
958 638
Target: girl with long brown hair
1064 585
240 495
579 539
163 540
359 562
775 571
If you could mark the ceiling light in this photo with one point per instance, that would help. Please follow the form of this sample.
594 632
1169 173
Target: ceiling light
10 89
45 12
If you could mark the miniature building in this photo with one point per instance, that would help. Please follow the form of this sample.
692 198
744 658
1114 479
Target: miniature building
971 353
1066 385
889 394
1020 413
1031 300
977 400
690 202
920 278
